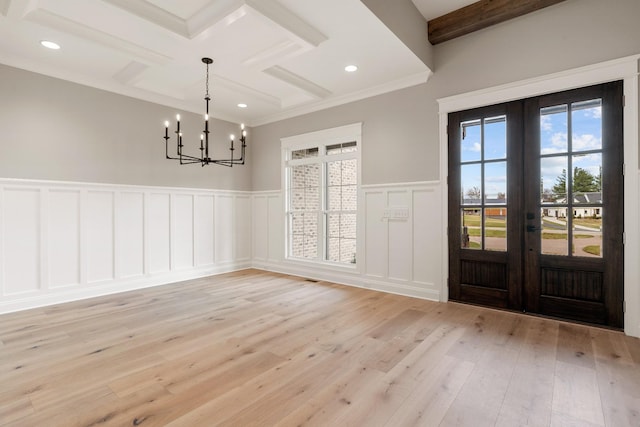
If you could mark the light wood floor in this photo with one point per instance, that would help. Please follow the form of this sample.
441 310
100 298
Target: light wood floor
255 348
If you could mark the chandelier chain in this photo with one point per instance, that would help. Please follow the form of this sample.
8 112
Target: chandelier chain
207 83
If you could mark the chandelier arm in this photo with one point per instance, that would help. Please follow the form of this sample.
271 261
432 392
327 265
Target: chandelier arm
221 163
204 158
187 157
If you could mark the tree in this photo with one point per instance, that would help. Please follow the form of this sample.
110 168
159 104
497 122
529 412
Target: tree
560 187
583 181
474 193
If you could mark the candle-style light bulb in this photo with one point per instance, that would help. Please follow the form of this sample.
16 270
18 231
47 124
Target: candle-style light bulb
244 133
178 117
201 137
166 123
206 116
242 126
232 137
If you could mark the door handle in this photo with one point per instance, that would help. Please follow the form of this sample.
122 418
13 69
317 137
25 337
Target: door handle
532 228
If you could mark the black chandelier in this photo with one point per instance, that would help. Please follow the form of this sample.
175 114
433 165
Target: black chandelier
204 158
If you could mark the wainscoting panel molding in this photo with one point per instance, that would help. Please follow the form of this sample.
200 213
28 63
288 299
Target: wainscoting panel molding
399 234
64 241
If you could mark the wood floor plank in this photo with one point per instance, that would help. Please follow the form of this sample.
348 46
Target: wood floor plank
529 395
618 379
576 345
428 405
576 393
259 348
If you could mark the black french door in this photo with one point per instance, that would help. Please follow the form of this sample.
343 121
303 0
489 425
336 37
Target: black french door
536 205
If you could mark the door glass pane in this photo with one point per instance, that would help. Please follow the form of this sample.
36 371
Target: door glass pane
495 182
554 233
495 138
471 191
587 178
586 124
587 232
471 228
554 129
495 229
471 141
553 177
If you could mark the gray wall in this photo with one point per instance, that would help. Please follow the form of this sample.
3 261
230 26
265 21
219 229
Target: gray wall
400 132
404 19
56 130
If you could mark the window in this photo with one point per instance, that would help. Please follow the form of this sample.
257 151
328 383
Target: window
321 176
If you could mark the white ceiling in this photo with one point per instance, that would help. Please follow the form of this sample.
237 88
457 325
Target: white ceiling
281 57
434 8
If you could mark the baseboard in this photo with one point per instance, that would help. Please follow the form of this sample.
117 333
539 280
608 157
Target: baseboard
409 289
81 292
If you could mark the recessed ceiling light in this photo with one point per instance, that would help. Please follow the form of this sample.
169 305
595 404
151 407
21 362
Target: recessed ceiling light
351 68
50 45
242 105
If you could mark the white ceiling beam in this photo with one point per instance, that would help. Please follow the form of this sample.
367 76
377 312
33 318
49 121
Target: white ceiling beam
231 86
17 9
217 11
152 13
299 82
283 17
270 57
4 7
52 20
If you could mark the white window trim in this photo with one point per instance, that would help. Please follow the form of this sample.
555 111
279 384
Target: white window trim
325 137
626 69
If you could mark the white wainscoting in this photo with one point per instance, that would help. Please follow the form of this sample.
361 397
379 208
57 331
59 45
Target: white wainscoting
397 255
67 241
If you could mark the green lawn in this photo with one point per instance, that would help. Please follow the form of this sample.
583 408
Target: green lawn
475 231
593 249
474 221
588 222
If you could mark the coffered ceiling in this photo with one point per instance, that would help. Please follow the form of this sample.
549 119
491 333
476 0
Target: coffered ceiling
279 57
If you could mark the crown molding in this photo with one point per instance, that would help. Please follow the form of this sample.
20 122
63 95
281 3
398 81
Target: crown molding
402 83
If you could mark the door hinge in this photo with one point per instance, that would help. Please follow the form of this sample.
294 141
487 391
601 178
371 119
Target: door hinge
624 169
624 238
624 306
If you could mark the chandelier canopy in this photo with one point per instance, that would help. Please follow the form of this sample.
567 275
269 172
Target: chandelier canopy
204 158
